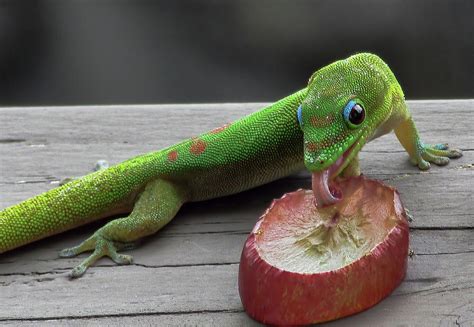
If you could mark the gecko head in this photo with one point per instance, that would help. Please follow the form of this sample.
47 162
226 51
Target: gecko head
345 103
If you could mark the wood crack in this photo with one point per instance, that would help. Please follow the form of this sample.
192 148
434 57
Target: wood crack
436 290
434 228
183 265
119 315
37 273
443 253
11 140
60 271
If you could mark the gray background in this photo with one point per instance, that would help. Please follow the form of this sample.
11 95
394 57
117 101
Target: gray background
108 52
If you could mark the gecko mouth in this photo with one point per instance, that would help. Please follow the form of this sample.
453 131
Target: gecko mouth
325 189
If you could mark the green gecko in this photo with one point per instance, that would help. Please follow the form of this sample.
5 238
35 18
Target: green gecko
323 127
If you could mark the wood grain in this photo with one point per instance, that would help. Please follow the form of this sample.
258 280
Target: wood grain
187 273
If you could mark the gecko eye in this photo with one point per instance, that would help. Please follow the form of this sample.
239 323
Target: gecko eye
354 114
300 115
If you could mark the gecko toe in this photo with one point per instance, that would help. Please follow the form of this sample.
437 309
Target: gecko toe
122 259
437 160
423 164
440 146
455 153
101 247
68 253
87 245
439 154
448 153
77 271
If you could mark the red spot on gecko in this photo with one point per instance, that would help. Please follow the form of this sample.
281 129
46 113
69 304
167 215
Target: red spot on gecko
219 129
325 143
197 147
173 156
312 146
321 121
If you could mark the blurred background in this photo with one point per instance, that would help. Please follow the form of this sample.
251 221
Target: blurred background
77 52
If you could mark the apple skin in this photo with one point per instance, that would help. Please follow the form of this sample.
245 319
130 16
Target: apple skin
277 297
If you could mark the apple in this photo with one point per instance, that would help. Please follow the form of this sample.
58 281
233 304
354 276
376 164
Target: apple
302 264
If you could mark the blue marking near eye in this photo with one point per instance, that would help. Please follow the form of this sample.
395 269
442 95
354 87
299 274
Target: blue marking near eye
348 108
300 115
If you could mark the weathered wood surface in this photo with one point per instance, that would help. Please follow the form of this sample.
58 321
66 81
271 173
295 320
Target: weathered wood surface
187 274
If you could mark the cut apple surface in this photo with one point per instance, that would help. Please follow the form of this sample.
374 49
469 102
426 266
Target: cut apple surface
303 264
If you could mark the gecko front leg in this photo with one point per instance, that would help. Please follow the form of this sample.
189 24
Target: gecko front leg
422 154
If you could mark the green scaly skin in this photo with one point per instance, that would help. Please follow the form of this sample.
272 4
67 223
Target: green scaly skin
252 151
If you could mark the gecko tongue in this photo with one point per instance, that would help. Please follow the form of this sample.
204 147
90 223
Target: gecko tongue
325 190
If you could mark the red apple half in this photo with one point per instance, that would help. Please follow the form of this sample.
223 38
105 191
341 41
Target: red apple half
302 264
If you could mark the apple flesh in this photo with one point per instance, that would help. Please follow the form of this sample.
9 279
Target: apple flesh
302 264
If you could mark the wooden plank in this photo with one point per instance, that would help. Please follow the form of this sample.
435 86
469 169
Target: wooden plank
402 311
436 288
193 261
227 319
110 290
162 125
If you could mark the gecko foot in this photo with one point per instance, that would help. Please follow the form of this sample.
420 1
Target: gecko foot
438 154
101 247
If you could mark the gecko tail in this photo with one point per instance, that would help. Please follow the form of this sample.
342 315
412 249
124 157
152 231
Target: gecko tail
73 204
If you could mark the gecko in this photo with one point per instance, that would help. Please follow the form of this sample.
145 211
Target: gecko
321 127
